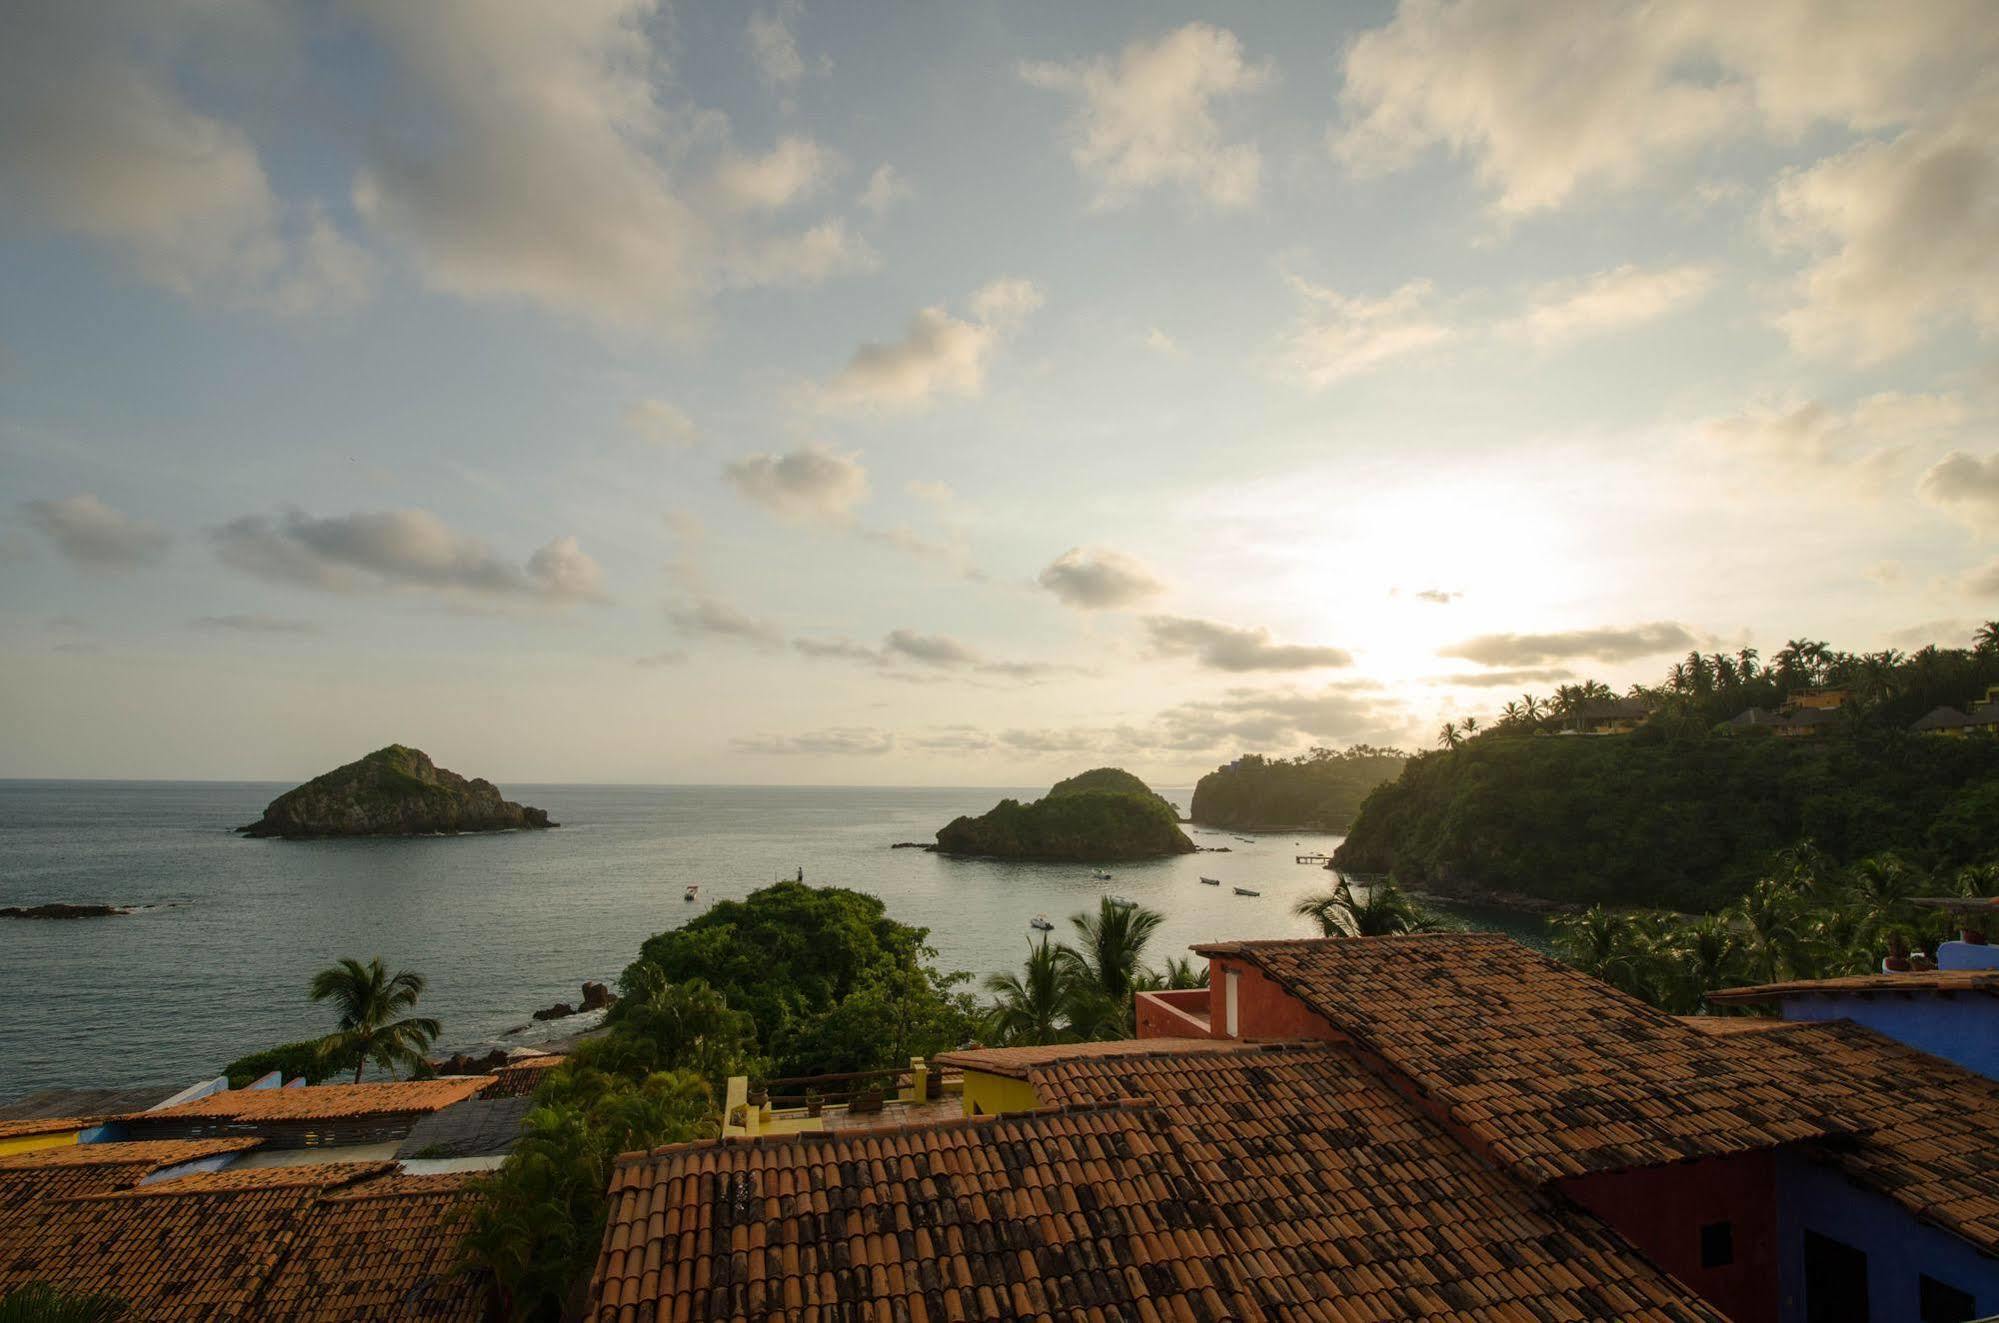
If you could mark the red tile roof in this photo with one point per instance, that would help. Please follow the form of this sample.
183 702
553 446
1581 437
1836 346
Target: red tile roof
1868 985
1723 1026
323 1102
1272 1182
57 1125
1554 1072
384 1249
151 1154
522 1075
1017 1062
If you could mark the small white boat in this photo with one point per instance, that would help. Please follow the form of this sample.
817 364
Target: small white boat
1101 876
1211 881
1041 921
1247 891
693 891
1126 901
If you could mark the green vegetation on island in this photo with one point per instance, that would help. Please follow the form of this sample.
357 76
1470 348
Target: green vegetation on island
1101 815
395 791
1320 790
1693 800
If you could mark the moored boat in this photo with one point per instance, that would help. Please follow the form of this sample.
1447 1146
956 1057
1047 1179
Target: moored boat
1101 875
693 891
1041 921
1247 891
1211 881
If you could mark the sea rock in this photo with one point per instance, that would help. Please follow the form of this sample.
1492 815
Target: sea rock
466 1063
1102 815
395 791
596 997
909 845
556 1012
61 911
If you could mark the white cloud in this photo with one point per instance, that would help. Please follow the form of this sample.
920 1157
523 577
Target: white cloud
400 550
941 652
254 622
886 188
1163 344
807 484
774 47
940 354
100 142
1967 486
1148 120
1221 647
1098 579
661 423
1861 447
1983 581
1607 301
1606 644
835 742
790 172
932 493
1547 98
90 533
711 617
826 250
1338 337
1900 234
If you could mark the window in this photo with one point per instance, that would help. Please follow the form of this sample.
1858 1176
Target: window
1234 978
1835 1281
1717 1244
1941 1302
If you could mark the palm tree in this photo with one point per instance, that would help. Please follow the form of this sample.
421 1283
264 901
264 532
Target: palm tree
1385 912
1532 707
44 1302
1770 922
1107 964
1986 641
372 1024
1449 737
1707 955
1469 726
1029 1007
1879 892
1603 944
1512 715
1182 972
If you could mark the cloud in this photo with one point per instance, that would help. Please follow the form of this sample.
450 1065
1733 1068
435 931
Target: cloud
1607 301
101 143
812 483
253 623
826 250
1982 581
929 649
790 172
1930 631
932 493
1900 236
1863 445
1506 679
1148 120
836 741
1547 99
1437 596
837 649
1163 344
710 617
1605 644
1965 485
939 355
1338 337
400 550
1227 648
90 533
1273 719
886 188
661 423
1098 579
660 661
774 48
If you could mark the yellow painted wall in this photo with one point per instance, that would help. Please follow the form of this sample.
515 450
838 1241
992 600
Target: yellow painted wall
29 1143
990 1095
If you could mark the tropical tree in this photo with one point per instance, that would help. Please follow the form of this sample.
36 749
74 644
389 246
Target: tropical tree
1107 965
45 1302
1385 912
1770 922
1880 891
1031 1008
1182 972
1449 736
373 1026
664 1025
1607 945
1706 954
1986 641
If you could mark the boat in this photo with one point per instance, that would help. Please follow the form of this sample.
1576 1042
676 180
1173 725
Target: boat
1247 891
1101 876
1247 840
1211 881
1041 921
1125 902
693 891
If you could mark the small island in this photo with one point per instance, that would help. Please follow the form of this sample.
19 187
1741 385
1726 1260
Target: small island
395 791
1102 814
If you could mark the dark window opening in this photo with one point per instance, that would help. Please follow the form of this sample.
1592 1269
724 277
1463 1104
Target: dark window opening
1835 1281
1943 1303
1717 1244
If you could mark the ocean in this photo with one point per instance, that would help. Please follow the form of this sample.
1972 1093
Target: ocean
217 963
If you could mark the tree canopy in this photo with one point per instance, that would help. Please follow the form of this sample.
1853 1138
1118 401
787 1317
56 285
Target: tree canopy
1321 790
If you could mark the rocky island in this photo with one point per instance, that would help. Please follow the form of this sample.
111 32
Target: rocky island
1102 814
397 791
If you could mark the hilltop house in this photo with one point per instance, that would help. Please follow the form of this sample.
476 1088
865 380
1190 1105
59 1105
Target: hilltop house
1617 716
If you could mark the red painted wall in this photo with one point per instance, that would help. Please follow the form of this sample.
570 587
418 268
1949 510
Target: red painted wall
1172 1014
1263 1009
1661 1210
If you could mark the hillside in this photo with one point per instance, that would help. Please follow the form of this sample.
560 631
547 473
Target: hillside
1321 791
1101 815
395 791
1683 825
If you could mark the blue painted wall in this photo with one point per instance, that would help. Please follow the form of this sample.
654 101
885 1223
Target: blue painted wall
1963 1028
1899 1248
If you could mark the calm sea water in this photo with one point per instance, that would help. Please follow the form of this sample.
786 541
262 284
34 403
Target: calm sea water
500 924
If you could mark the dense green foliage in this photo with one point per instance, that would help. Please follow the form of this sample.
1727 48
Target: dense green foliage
42 1302
830 982
1806 919
1320 789
373 1026
1384 911
304 1060
1101 815
1680 824
1068 993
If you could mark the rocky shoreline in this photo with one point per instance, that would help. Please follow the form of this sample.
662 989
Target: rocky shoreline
58 910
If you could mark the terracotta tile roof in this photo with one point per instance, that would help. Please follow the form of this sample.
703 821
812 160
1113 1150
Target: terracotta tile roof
1554 1072
300 1176
1272 1182
1017 1062
522 1076
150 1154
1863 985
1725 1026
1929 1146
323 1102
50 1125
384 1249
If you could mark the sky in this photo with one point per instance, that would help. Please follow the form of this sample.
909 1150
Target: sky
634 391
